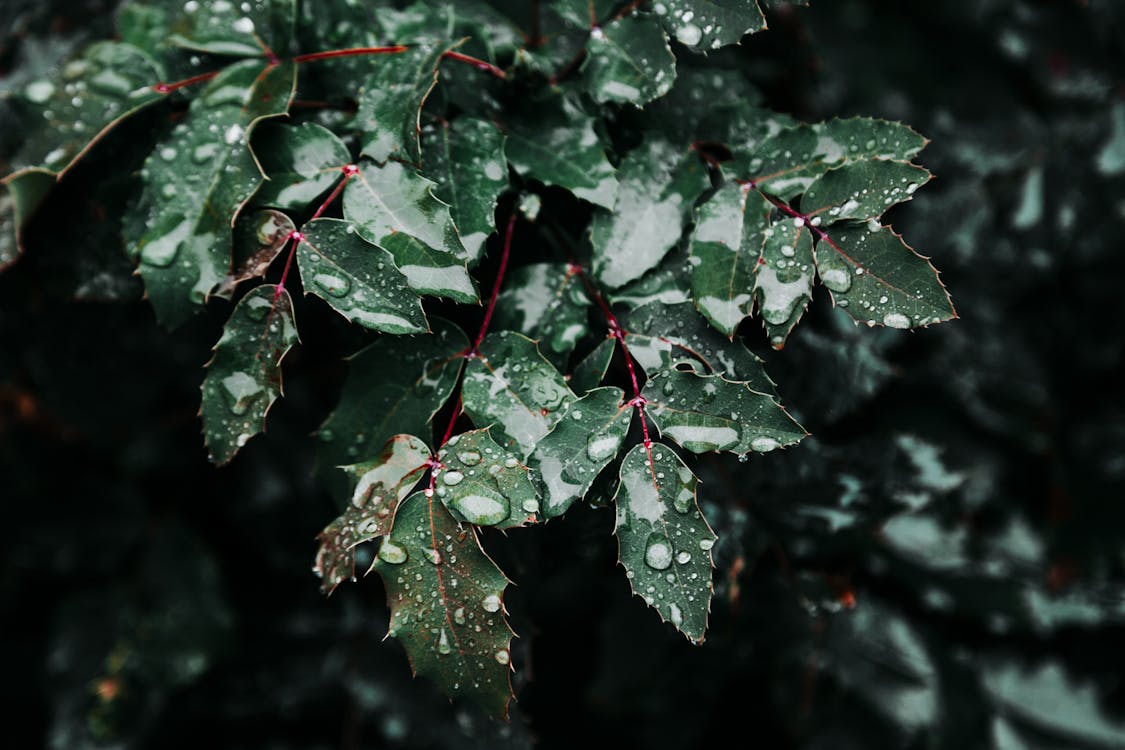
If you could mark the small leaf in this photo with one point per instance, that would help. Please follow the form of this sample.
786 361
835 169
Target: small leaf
702 25
546 302
783 279
705 413
301 162
583 443
629 61
244 376
234 28
483 484
786 163
664 541
378 486
862 190
867 138
359 280
446 600
258 238
669 283
430 271
591 369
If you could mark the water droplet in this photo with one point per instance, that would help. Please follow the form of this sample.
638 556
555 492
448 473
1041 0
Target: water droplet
39 91
683 558
491 603
896 320
601 447
764 444
658 552
836 279
689 34
503 656
389 552
676 616
443 646
482 507
432 555
452 478
459 615
706 544
469 458
531 506
337 286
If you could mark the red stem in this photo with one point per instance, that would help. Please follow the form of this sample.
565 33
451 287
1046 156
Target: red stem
164 88
476 63
496 286
352 52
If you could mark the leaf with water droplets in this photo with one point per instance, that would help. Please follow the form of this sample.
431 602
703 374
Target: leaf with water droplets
230 27
702 25
466 158
244 375
510 385
484 484
629 61
664 541
301 163
862 190
668 284
359 280
430 271
855 138
196 182
546 302
569 458
879 280
783 278
394 386
659 184
591 369
705 413
446 601
258 238
377 488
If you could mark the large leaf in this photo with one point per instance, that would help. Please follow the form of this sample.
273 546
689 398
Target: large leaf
546 302
484 484
663 539
430 271
446 600
244 376
709 24
302 163
783 278
629 61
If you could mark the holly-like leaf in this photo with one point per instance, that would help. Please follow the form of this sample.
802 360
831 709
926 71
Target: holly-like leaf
663 539
220 27
378 486
394 386
705 413
466 157
702 25
591 369
484 484
244 375
862 190
658 187
446 600
197 180
430 271
669 283
358 279
301 163
856 138
258 238
879 280
510 385
546 302
569 458
629 61
783 278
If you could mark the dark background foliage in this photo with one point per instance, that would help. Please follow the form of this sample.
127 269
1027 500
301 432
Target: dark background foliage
941 565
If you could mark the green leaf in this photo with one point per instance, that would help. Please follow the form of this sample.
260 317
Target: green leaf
258 238
867 138
510 385
705 413
378 486
725 247
430 271
658 187
862 190
702 25
591 369
196 182
546 302
446 600
359 280
663 539
484 484
233 28
879 280
22 195
568 459
301 164
244 375
783 278
394 198
379 401
669 283
563 149
629 61
466 157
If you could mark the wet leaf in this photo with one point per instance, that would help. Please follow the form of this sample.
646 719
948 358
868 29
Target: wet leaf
783 278
232 28
429 271
484 484
629 61
591 369
258 238
862 190
302 163
702 25
545 302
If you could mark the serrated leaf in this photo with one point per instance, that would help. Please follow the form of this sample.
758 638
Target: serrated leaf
378 486
591 369
663 539
258 238
510 385
220 27
197 180
702 25
783 279
862 190
705 413
563 149
483 484
879 280
669 283
430 271
568 459
466 157
629 61
394 198
301 163
22 195
359 280
394 386
545 302
725 247
446 600
867 138
659 184
244 375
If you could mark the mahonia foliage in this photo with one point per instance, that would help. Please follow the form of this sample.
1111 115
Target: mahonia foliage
440 132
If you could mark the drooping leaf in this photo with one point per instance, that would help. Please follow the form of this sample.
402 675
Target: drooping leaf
658 187
378 486
198 179
258 238
466 158
706 413
567 460
301 163
358 279
862 190
231 28
663 539
430 271
591 369
446 600
629 61
545 302
394 386
244 375
484 484
510 385
783 278
702 25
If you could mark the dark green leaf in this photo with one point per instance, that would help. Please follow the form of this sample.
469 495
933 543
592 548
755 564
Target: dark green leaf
258 238
483 484
591 369
783 279
703 25
629 61
223 27
301 163
546 302
862 190
430 271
